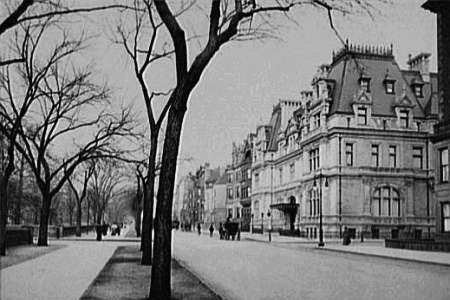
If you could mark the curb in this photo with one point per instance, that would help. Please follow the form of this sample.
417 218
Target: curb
386 257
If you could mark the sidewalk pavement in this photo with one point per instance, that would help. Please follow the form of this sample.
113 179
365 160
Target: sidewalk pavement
368 247
62 274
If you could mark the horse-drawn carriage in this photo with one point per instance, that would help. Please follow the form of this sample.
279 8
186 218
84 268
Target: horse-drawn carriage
230 229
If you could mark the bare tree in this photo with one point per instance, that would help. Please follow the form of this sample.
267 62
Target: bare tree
228 20
82 179
56 97
139 43
106 177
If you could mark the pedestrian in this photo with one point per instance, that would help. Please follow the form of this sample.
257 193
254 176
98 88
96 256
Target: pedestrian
221 231
199 228
211 230
346 237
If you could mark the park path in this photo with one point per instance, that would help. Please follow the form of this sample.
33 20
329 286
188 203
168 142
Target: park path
62 274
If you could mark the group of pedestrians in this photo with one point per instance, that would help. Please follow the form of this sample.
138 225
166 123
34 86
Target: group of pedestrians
211 230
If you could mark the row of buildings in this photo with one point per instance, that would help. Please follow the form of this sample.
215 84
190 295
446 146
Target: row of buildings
367 148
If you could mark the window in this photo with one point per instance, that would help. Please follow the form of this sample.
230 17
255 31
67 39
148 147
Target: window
362 116
238 213
230 212
317 120
375 156
404 118
256 179
386 202
365 84
314 162
446 216
390 87
292 170
349 154
443 165
280 170
230 177
313 202
237 192
418 90
230 193
418 157
393 156
249 174
310 202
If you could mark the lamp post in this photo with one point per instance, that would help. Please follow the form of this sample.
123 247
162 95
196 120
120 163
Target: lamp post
251 225
270 225
262 223
320 176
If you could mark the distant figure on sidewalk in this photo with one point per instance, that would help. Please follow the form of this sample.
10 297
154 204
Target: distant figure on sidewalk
211 230
221 231
199 228
346 237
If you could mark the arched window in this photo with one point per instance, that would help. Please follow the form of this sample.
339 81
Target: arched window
386 202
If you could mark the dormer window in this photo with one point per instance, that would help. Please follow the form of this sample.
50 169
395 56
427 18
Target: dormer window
404 118
390 86
362 115
364 83
418 91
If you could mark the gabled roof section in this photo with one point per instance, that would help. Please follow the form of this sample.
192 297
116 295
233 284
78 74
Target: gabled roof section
373 62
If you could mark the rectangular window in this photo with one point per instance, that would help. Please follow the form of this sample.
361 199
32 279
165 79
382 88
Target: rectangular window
230 212
281 175
349 154
230 193
393 156
365 84
314 162
386 201
292 170
404 118
375 156
443 165
376 203
418 157
317 120
256 180
249 174
446 216
362 115
389 87
237 192
418 91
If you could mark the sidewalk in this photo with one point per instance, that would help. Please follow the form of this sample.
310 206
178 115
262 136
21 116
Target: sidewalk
62 274
368 247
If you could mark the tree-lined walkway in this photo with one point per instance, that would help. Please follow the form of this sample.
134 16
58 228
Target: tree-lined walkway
61 274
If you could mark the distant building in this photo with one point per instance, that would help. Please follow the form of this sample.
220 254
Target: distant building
239 183
355 148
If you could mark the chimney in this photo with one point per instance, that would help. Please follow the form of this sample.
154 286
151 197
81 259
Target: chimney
421 63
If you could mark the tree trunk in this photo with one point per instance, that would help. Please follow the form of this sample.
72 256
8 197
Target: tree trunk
149 193
88 211
78 229
18 208
3 213
43 222
160 279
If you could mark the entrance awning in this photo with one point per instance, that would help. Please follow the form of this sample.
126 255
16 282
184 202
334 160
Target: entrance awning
285 207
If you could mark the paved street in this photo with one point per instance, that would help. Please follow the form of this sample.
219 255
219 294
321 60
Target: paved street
255 270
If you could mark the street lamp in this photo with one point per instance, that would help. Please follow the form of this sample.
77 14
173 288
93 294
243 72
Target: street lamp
262 223
320 176
251 227
270 225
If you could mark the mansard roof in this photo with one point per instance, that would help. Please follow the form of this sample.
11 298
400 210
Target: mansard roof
353 62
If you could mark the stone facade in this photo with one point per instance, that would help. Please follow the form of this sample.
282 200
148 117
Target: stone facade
356 148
